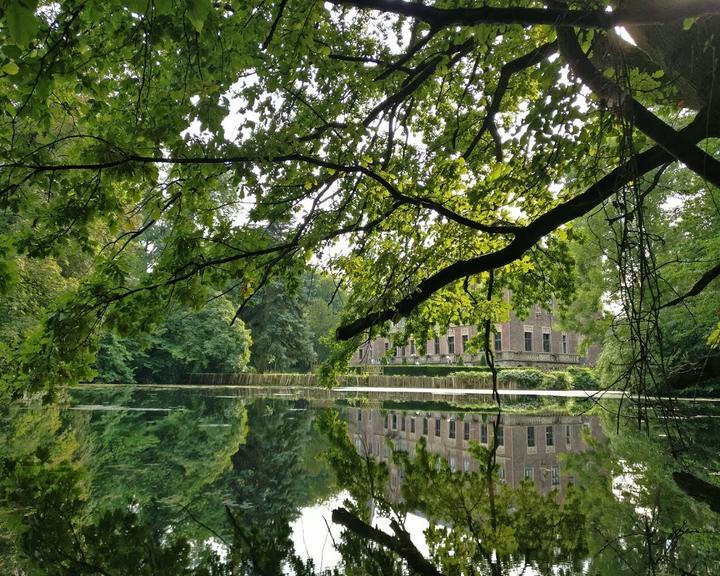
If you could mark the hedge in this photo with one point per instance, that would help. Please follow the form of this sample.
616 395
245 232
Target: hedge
431 369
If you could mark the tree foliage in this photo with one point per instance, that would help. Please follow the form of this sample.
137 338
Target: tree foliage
435 143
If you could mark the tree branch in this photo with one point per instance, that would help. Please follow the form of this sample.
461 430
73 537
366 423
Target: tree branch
295 157
526 237
698 287
512 67
625 105
446 17
401 544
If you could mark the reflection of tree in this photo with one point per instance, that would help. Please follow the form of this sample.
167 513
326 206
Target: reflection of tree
48 523
132 492
475 520
639 521
163 461
271 480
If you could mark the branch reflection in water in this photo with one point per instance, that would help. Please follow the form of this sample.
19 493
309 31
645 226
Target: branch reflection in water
231 486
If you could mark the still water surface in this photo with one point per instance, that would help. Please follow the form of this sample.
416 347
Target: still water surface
199 481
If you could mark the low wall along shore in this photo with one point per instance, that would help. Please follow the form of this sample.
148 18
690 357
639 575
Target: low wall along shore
374 380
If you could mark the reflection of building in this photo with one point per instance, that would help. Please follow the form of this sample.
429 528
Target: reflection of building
528 446
530 342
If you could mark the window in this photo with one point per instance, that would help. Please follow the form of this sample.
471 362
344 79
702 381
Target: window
451 429
412 347
387 346
546 342
437 427
498 341
528 341
425 426
483 433
412 425
453 465
385 424
394 421
464 343
402 423
549 441
555 476
359 415
564 344
568 434
402 350
466 430
451 344
436 344
398 350
500 436
529 473
531 436
501 473
466 464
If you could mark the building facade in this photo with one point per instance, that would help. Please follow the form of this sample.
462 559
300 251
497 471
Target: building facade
534 341
528 446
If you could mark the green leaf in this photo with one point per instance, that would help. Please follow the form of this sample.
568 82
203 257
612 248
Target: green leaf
11 68
21 21
197 13
163 6
689 22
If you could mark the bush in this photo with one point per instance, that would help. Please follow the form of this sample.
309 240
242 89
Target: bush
583 378
431 370
556 381
527 378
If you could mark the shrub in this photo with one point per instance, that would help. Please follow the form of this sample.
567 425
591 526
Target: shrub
527 378
431 370
583 378
556 381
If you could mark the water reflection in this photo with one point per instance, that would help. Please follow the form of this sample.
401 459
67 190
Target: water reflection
162 482
529 447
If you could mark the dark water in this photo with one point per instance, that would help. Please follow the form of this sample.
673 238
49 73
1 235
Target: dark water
198 481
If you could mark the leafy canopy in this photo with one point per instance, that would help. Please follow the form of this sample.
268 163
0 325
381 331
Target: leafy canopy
413 147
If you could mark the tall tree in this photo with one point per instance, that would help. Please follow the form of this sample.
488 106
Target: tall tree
444 141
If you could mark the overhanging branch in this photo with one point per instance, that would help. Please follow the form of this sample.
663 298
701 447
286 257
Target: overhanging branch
698 287
680 147
400 544
527 236
627 15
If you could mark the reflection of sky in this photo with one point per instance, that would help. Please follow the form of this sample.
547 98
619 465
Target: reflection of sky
311 538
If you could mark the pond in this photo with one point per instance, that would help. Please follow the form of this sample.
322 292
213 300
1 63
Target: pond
206 480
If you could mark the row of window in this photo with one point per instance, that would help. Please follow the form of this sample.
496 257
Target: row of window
391 420
382 450
546 347
527 341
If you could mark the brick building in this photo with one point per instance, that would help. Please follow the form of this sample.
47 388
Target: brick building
534 341
528 446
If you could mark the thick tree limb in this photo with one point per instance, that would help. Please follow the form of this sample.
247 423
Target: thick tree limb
400 544
640 117
699 489
445 17
527 236
698 287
